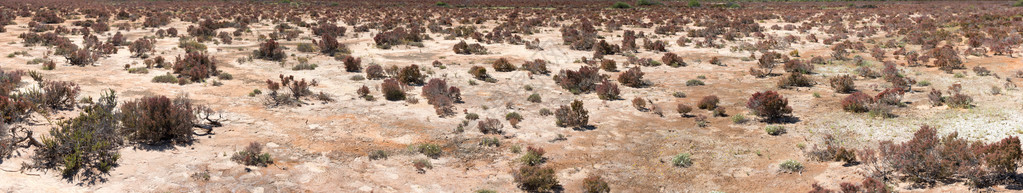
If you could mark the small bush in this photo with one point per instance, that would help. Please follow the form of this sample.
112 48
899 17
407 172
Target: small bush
708 102
306 47
673 60
428 149
774 129
798 66
490 126
86 144
158 119
795 80
375 72
608 65
769 105
537 66
582 81
378 155
856 102
595 184
60 94
195 66
694 82
621 5
682 160
608 90
142 46
639 104
957 99
842 84
270 50
253 156
533 156
502 65
683 109
791 166
739 119
352 64
572 116
166 78
534 98
410 75
535 178
632 78
392 90
422 165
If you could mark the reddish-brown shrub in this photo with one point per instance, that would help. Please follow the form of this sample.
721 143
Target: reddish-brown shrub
856 102
683 109
479 72
797 65
572 116
141 47
374 72
60 94
502 65
708 102
947 59
769 105
270 50
632 78
582 81
81 57
1002 157
442 97
607 90
538 66
935 97
490 126
639 104
795 79
768 61
410 75
158 119
842 84
352 64
392 90
673 60
329 45
466 49
595 184
608 65
196 66
891 96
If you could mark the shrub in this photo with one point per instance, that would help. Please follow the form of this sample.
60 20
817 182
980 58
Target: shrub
82 57
595 184
935 97
682 160
719 112
166 78
502 65
608 65
621 5
537 66
639 104
582 81
410 75
60 94
795 80
191 46
608 90
708 102
535 178
466 49
768 105
947 58
842 84
798 66
304 66
739 119
891 96
927 157
392 90
378 155
270 50
253 156
196 66
158 119
421 165
957 99
791 166
142 46
683 109
533 156
768 61
441 96
478 72
673 60
572 116
694 82
329 45
632 78
428 149
352 64
1002 157
774 129
87 142
490 126
374 72
306 47
856 102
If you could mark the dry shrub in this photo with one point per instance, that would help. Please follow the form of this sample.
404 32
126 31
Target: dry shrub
375 72
582 81
632 78
158 119
842 84
60 94
490 126
352 64
392 90
608 90
502 65
708 102
535 178
538 66
196 66
441 96
253 156
769 105
270 50
572 116
857 102
410 75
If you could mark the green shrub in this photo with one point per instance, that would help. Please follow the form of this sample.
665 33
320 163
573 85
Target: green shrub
621 5
791 166
535 178
694 3
682 160
304 67
535 98
166 78
253 156
472 116
378 155
774 129
694 82
428 149
88 142
739 119
533 156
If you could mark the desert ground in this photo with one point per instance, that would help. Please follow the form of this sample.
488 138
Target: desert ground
322 134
